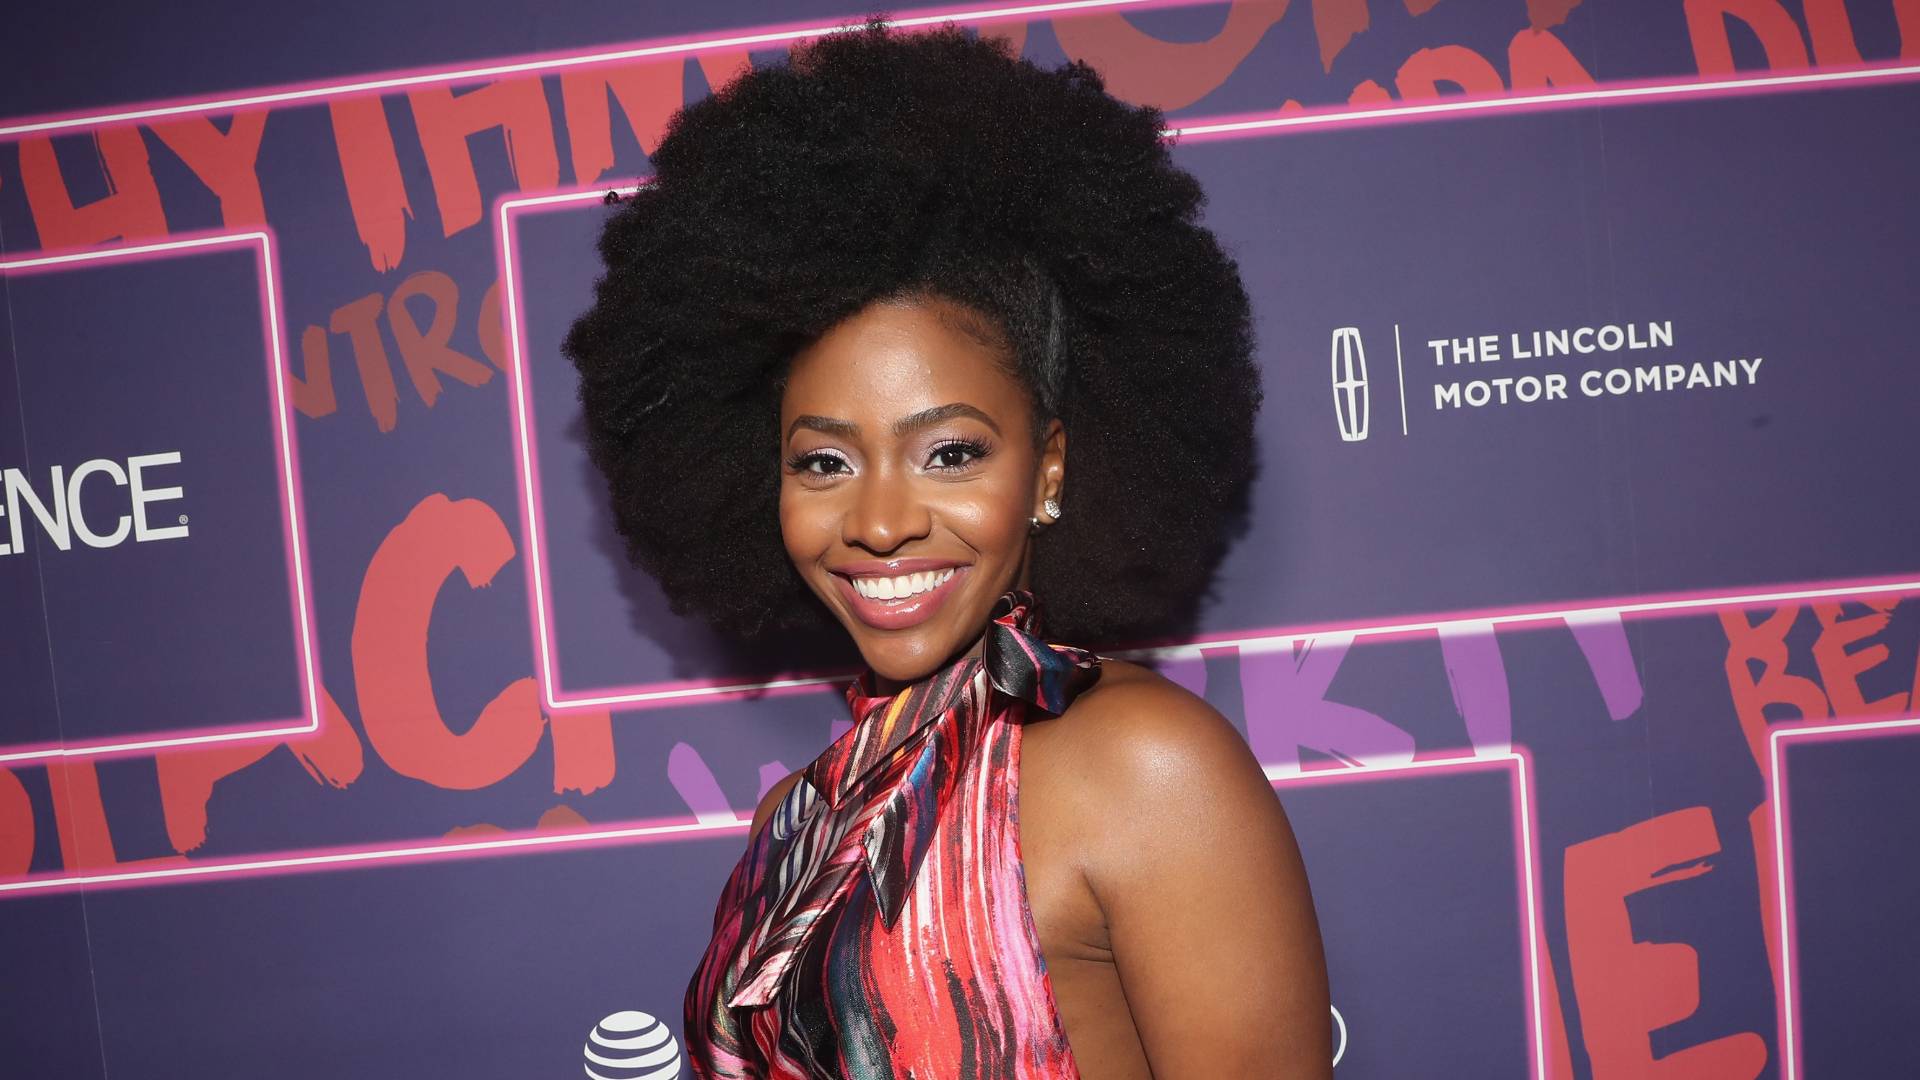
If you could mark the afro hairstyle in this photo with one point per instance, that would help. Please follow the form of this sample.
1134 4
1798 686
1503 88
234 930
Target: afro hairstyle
875 165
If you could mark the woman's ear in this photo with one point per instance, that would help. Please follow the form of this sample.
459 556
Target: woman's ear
1052 468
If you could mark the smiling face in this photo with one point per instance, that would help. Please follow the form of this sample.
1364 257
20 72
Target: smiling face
910 477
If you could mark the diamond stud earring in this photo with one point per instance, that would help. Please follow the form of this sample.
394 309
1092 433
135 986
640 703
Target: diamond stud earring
1052 507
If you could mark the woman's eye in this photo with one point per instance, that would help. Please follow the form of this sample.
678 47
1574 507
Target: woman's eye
818 464
955 455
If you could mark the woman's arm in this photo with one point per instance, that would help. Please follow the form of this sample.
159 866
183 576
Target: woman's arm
1207 905
771 801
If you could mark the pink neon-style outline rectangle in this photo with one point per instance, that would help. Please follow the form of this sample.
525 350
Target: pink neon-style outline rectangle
299 600
527 477
180 870
1610 93
640 695
1527 875
1787 1002
533 525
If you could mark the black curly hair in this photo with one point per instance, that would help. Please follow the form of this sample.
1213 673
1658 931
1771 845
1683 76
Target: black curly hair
878 164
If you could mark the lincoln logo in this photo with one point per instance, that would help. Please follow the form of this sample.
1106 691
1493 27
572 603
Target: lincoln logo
62 519
1350 384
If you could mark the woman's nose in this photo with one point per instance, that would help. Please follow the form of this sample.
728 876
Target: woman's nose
884 513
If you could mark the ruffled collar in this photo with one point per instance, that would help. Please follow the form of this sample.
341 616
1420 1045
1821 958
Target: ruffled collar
872 799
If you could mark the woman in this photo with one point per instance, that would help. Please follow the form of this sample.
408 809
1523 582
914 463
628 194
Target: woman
907 336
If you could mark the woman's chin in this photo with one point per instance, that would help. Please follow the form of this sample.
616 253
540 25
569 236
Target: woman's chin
901 661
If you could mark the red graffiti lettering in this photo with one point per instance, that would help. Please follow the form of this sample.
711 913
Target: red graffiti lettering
648 93
1546 14
1536 59
582 751
360 321
397 707
390 624
224 161
516 106
1840 670
331 755
1336 22
492 329
79 816
132 210
1369 93
428 353
16 826
1627 988
313 391
1765 643
1713 52
1420 77
376 193
1169 74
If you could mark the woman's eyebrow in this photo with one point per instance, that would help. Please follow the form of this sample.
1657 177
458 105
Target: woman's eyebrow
847 429
929 417
828 425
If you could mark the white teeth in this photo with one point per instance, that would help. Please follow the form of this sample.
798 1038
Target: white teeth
899 588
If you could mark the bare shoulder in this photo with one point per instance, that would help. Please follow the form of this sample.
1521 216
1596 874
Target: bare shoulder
1138 734
1187 852
771 802
1149 777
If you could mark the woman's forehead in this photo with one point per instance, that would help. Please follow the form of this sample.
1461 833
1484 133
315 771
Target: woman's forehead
895 359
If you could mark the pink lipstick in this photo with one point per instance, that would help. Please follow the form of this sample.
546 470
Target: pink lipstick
895 594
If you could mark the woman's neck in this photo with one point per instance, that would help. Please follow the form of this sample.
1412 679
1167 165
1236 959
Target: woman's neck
886 687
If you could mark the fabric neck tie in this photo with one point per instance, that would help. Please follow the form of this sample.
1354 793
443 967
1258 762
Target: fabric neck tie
873 798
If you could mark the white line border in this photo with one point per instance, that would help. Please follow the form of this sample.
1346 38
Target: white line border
1788 991
290 494
1527 872
1529 869
1600 94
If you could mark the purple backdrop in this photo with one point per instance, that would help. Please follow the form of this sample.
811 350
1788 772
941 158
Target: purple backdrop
1584 670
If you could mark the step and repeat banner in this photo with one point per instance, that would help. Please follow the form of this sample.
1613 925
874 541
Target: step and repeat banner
1577 621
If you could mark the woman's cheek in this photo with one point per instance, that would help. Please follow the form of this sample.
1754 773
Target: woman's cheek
803 525
988 519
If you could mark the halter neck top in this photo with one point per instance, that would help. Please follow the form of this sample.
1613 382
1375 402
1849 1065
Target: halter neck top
877 927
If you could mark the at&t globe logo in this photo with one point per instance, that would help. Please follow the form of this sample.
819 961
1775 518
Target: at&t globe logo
632 1045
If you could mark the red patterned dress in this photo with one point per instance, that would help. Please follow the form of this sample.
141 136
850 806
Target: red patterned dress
877 926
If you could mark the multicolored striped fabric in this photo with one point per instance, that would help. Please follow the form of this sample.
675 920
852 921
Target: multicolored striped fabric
877 927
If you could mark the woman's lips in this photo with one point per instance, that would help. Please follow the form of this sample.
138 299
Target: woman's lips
899 612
